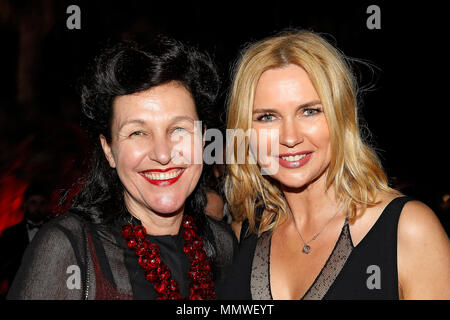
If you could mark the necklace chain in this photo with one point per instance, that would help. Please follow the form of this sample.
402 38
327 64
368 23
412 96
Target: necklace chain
306 248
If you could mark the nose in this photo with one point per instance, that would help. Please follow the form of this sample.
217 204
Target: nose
290 133
161 150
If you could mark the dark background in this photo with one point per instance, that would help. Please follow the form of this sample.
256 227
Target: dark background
40 61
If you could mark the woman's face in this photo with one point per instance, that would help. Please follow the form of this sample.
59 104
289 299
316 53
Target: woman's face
287 103
154 140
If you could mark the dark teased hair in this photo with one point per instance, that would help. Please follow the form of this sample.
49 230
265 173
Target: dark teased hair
127 68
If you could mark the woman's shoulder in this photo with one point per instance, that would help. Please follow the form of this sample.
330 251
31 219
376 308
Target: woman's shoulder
368 219
56 246
64 229
420 230
423 253
415 218
70 221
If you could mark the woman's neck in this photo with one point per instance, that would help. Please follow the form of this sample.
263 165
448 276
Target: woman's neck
311 204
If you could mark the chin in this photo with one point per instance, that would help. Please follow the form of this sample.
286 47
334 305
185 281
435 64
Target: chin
292 181
293 185
166 210
167 203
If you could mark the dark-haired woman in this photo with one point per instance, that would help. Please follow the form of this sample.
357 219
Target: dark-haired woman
138 229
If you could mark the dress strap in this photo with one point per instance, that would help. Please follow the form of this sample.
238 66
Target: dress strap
260 274
335 263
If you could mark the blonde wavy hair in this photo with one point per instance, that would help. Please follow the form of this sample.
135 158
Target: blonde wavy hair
355 171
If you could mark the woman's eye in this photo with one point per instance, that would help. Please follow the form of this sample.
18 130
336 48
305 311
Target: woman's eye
137 133
311 112
179 130
266 117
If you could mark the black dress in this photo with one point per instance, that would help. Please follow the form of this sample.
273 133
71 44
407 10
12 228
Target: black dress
367 271
107 268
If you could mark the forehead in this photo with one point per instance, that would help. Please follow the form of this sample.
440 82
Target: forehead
285 82
157 103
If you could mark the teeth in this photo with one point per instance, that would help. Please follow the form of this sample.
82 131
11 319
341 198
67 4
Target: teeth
294 158
163 175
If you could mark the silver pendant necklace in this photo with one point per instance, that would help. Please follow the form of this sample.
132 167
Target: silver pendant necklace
306 247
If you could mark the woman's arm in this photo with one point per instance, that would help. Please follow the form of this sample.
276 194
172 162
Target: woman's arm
50 268
423 254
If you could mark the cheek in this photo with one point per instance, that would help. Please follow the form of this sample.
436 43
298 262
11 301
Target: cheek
196 171
128 156
187 149
318 134
264 143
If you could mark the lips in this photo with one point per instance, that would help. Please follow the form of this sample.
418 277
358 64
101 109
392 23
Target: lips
294 160
163 177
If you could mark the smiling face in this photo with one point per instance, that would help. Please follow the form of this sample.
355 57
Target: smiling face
154 140
287 102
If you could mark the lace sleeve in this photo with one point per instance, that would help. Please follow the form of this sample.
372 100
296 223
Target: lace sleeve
51 267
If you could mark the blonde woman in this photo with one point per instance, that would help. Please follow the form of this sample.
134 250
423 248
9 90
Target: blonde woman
312 208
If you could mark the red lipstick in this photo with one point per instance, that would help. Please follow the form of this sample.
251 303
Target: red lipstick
161 170
165 182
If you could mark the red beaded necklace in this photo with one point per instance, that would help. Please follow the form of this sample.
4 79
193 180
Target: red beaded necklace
201 286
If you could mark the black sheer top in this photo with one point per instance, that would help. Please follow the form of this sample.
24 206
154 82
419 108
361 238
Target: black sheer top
365 271
69 247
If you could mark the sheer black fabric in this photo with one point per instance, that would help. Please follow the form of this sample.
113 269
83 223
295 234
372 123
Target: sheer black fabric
69 247
367 271
260 275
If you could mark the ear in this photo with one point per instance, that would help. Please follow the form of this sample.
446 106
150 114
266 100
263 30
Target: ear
107 150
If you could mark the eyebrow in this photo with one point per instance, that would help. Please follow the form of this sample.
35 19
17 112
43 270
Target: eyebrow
132 121
182 118
302 106
142 122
